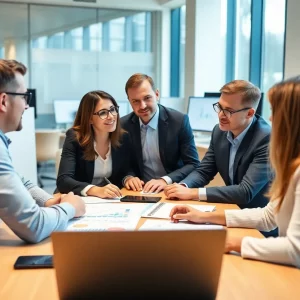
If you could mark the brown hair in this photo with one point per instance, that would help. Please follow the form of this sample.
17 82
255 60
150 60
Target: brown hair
83 128
136 80
251 93
284 98
8 68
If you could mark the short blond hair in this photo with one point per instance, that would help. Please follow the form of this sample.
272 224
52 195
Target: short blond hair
251 94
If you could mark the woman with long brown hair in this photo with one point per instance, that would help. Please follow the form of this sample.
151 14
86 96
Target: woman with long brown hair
95 149
283 210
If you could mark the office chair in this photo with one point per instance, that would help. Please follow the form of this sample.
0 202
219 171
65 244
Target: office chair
47 145
57 160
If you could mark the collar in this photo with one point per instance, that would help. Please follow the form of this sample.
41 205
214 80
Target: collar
154 121
240 137
6 139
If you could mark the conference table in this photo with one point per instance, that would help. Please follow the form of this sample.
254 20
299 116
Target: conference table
240 278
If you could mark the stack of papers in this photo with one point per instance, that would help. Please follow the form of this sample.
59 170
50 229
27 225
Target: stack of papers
108 217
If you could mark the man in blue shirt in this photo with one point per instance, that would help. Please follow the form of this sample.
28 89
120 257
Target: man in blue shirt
238 151
28 211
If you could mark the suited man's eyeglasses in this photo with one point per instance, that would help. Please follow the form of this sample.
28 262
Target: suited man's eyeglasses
218 108
27 96
103 113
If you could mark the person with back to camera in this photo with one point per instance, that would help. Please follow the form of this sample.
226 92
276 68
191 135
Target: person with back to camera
283 209
31 213
95 149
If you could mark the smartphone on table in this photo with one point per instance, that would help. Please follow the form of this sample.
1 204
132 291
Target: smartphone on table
34 262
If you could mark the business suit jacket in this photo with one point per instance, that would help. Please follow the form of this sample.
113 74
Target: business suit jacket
251 170
177 148
75 173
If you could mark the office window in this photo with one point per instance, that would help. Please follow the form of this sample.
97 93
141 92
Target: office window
273 42
77 38
117 35
40 43
242 45
182 50
55 41
96 37
139 32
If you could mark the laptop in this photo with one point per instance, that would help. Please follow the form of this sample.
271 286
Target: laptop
138 264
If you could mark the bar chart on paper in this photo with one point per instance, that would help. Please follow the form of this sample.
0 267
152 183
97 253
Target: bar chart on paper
108 217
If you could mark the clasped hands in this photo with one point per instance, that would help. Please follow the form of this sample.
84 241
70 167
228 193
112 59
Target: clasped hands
152 186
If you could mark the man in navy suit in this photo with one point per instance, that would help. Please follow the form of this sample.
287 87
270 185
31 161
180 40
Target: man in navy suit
163 146
238 151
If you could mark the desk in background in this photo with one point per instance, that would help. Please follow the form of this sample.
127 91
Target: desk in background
240 278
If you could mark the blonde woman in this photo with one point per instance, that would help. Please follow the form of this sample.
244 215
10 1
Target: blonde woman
283 210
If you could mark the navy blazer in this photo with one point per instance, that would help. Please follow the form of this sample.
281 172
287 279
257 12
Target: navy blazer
177 148
251 169
75 173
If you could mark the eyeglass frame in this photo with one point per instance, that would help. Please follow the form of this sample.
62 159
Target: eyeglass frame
217 104
116 107
28 94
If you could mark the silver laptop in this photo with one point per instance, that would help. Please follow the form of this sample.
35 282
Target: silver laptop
138 264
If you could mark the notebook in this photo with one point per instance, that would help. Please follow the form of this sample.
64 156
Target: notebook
178 264
161 210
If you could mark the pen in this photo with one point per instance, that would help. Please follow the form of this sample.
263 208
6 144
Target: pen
110 183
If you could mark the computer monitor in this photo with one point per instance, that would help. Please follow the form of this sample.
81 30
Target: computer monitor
201 113
65 111
33 101
212 94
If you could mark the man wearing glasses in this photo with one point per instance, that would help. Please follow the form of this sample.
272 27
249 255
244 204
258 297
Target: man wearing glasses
238 151
31 213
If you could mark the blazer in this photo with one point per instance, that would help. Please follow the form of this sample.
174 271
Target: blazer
251 169
75 173
177 148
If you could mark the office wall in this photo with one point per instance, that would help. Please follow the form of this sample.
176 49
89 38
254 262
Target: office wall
292 46
68 75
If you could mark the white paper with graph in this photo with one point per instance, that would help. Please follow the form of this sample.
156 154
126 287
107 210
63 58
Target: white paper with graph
108 217
161 210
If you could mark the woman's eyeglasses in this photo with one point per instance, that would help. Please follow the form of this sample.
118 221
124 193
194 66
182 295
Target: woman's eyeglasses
103 113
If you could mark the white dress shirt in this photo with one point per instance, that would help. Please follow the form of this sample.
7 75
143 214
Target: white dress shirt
103 168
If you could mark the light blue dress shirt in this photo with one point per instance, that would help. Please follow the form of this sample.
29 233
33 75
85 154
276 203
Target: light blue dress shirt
18 209
153 167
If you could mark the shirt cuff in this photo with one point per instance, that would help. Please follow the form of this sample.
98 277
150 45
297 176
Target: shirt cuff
202 194
125 178
85 190
167 179
184 184
68 208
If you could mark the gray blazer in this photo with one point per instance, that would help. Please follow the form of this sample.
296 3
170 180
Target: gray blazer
251 169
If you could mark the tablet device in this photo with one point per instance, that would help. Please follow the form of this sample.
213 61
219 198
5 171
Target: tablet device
141 199
34 262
